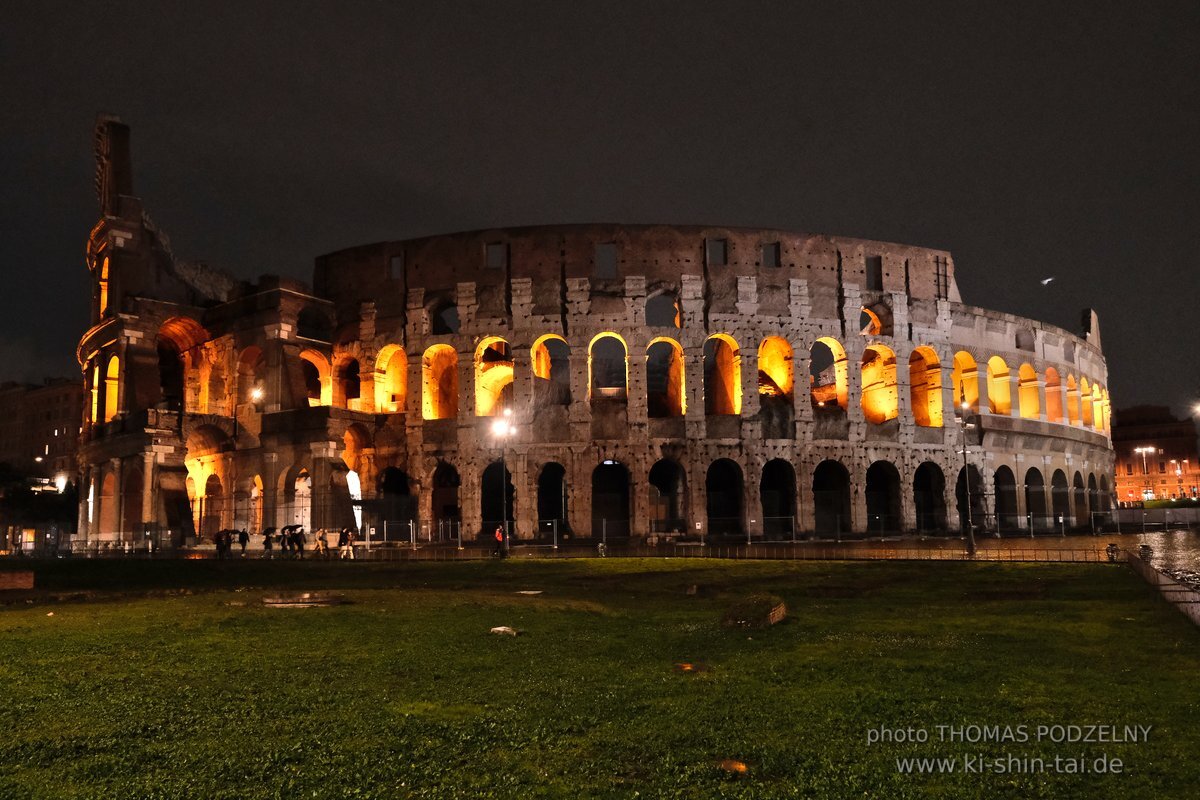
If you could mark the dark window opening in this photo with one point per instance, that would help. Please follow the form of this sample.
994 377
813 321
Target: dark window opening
770 254
497 255
716 252
396 266
875 273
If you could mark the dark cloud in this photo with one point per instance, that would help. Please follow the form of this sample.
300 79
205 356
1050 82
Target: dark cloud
1029 140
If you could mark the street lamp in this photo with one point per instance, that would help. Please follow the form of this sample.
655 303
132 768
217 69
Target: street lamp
1148 492
966 409
502 429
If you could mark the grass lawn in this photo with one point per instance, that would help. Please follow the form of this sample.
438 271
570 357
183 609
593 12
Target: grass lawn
404 693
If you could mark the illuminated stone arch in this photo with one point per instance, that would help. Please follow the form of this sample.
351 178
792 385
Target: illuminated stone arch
318 386
925 380
1097 408
493 376
665 391
108 521
550 359
722 376
178 346
999 387
1073 413
608 367
1054 404
347 382
965 380
439 390
1085 402
776 368
829 375
662 311
1028 394
391 379
880 398
112 385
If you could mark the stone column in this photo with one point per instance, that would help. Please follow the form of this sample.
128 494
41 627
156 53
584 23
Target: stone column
118 499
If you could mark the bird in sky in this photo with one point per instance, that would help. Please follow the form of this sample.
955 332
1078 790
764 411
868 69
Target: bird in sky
1046 281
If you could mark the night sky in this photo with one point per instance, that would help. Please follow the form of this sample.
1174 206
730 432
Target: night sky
1031 142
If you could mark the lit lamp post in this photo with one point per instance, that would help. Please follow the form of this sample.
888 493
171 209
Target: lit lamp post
502 429
1148 492
970 538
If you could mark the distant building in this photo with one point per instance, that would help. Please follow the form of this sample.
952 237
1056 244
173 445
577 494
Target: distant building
1157 455
39 427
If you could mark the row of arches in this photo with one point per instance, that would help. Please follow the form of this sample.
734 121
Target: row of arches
1025 393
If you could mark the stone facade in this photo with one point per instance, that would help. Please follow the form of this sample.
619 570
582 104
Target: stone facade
654 380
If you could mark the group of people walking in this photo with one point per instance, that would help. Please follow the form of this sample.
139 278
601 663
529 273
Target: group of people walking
290 541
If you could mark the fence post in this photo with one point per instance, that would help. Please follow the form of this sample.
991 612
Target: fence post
460 547
604 531
554 532
793 524
412 534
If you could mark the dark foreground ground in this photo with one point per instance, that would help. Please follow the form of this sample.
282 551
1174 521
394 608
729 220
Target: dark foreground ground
112 684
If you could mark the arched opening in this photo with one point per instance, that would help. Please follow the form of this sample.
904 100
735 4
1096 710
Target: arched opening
443 318
94 388
211 508
250 371
301 500
925 378
1081 500
775 369
1028 392
999 387
552 499
446 512
664 379
439 370
777 491
497 498
668 497
1085 400
831 498
723 491
348 388
177 337
318 387
551 371
722 376
1060 499
391 380
978 515
662 311
880 400
493 377
1005 483
965 380
112 381
610 500
1006 498
395 504
1035 499
607 369
1097 408
1104 501
883 498
108 505
829 376
1054 403
929 497
1073 412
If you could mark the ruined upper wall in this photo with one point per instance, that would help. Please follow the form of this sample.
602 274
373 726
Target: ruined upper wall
551 255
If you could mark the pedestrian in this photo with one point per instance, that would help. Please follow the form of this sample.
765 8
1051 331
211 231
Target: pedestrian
243 540
285 540
322 545
343 540
298 543
498 550
268 540
350 537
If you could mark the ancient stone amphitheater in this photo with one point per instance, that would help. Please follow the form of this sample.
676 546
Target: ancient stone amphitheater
578 381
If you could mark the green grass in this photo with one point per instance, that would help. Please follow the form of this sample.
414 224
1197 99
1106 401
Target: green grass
404 692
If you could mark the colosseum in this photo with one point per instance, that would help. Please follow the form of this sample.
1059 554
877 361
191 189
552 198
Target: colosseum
656 382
